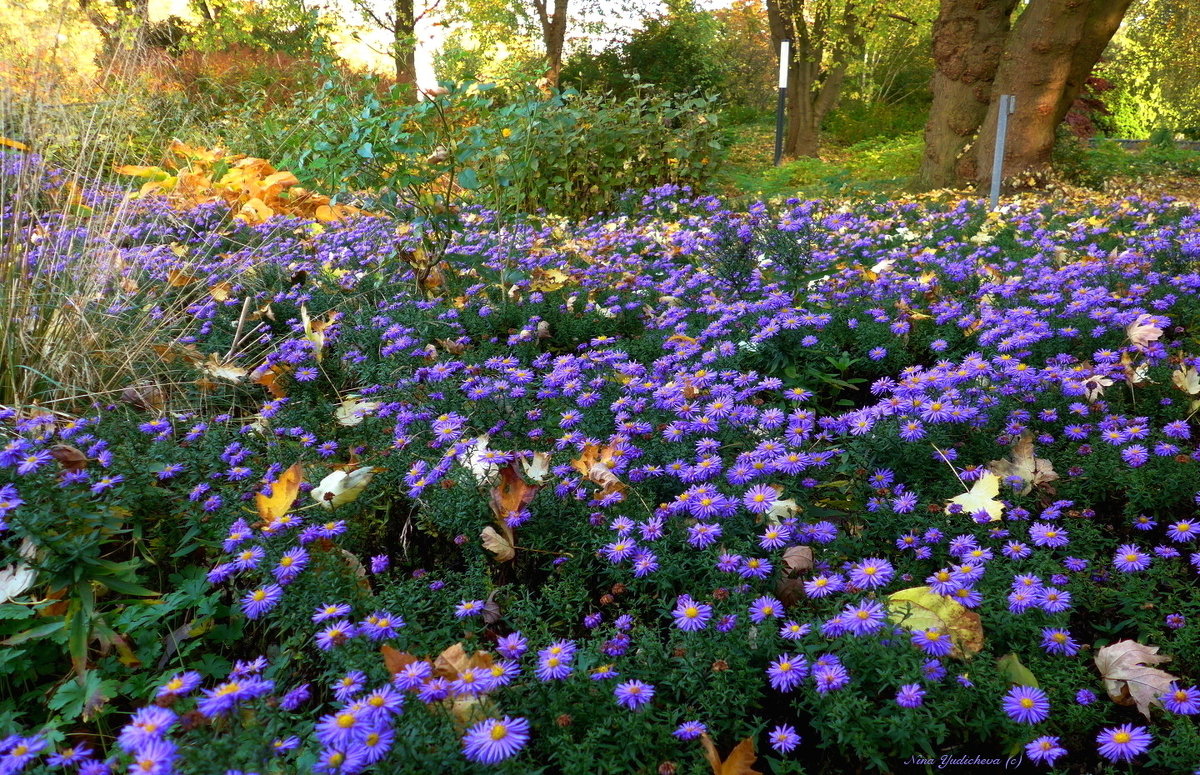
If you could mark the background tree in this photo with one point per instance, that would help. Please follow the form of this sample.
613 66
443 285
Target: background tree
1154 67
1044 57
826 36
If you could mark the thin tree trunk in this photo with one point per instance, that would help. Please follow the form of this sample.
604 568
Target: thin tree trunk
554 33
968 40
404 48
1051 51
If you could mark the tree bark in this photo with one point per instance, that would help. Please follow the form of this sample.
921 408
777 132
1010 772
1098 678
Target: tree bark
554 33
1051 50
404 48
968 40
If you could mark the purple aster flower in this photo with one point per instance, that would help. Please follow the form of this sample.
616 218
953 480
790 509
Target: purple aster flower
933 642
1026 704
792 630
787 672
330 611
1175 621
296 697
1044 750
1123 743
910 696
823 585
633 694
1130 559
866 617
1058 641
1045 534
146 724
1185 702
691 615
380 563
830 678
335 635
765 607
468 608
512 646
871 573
784 738
760 498
1054 601
179 685
257 602
1183 531
690 730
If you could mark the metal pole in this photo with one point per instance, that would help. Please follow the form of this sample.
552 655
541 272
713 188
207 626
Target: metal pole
785 47
1008 103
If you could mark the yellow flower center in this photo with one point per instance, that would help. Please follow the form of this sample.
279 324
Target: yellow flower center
691 612
499 731
1026 703
346 720
1122 737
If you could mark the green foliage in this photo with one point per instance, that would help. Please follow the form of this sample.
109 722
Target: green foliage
570 154
1096 164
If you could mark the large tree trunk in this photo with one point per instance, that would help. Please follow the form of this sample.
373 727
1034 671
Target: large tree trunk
1051 50
554 33
968 39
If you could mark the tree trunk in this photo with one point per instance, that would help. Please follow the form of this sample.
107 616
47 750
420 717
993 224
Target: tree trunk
554 33
814 84
968 39
404 45
1051 50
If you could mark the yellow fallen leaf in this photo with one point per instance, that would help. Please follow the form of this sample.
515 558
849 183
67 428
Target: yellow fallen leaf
982 498
920 608
283 494
7 143
497 544
352 411
740 762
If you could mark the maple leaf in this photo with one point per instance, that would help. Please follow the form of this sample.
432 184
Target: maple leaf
396 660
1142 331
283 494
499 545
982 497
1129 677
797 559
920 608
352 411
1187 379
1021 462
740 762
511 494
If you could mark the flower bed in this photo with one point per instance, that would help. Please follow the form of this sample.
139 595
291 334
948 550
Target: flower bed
826 484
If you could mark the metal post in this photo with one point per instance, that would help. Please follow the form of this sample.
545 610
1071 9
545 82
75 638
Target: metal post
785 47
1008 103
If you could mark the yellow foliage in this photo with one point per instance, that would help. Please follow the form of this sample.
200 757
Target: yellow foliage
253 189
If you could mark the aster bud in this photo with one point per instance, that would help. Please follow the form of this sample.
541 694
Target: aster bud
666 768
618 588
720 593
720 666
606 599
564 720
679 652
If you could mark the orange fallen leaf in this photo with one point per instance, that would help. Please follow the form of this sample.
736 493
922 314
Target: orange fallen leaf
396 660
284 491
511 495
740 762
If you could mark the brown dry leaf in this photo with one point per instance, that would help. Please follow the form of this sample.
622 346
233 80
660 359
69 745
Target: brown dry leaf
268 377
740 762
396 660
1129 677
1022 461
537 468
455 659
284 491
511 495
177 278
70 458
797 559
596 464
501 546
146 396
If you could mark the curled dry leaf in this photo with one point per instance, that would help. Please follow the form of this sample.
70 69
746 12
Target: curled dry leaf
1129 677
920 608
342 487
1022 462
596 464
70 458
982 498
740 762
16 579
797 559
147 396
455 659
218 367
501 546
1187 379
1143 331
314 329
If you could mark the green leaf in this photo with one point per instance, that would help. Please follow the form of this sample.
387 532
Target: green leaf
1014 672
366 151
34 633
468 179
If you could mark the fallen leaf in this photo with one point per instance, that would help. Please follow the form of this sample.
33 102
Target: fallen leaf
537 467
1128 676
454 659
920 608
70 458
16 579
352 410
1014 672
342 487
7 143
497 544
268 377
396 660
511 494
217 367
1187 379
1021 462
797 559
982 497
740 762
283 494
596 464
1142 331
314 330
